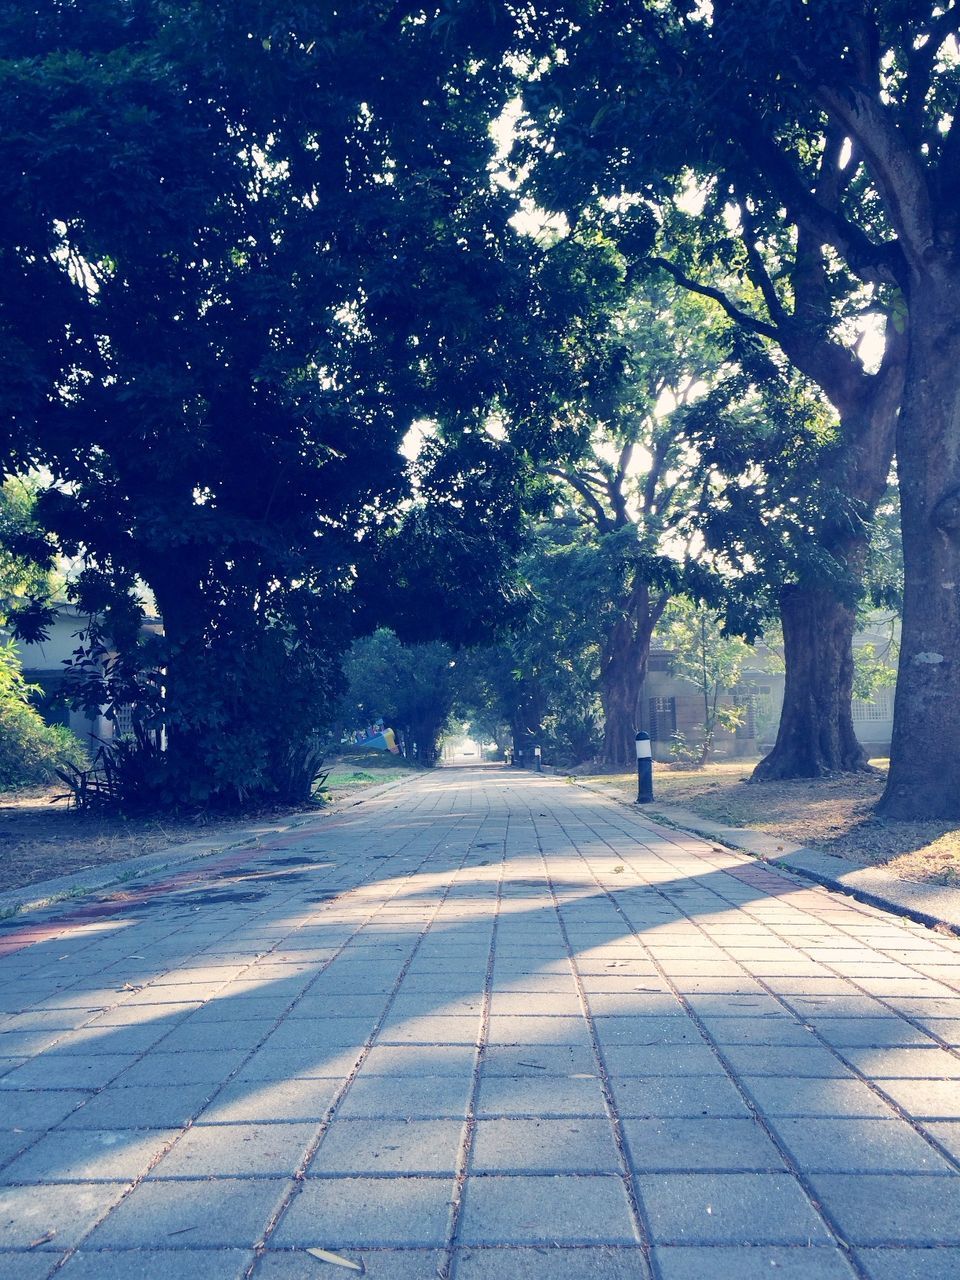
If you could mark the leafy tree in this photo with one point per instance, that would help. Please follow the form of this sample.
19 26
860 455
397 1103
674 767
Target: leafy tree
709 659
411 687
25 554
636 493
771 441
540 681
820 143
267 242
30 751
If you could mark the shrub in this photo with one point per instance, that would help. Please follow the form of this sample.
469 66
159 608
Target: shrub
30 751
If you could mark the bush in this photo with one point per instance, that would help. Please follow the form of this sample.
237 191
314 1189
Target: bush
236 721
31 751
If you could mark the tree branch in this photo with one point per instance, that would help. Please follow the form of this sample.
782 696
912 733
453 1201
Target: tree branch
871 262
618 499
758 268
900 178
741 317
602 520
661 450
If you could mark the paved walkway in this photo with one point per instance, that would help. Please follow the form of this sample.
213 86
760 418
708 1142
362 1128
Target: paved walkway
487 1026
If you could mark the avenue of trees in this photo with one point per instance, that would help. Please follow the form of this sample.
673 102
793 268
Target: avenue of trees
453 348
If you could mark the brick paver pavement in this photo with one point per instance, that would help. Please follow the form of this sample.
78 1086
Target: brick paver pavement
486 1026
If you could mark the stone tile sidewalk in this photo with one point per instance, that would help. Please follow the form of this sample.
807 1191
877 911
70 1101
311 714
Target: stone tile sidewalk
927 903
488 1025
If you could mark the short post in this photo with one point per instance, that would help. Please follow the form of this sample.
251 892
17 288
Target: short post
644 769
539 764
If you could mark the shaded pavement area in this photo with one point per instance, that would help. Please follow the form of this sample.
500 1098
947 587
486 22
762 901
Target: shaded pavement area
485 1026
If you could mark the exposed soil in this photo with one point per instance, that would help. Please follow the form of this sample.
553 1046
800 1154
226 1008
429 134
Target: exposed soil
40 839
834 815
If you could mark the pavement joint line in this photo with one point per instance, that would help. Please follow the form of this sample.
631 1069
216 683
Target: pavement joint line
63 925
71 925
716 833
833 1228
468 1138
888 905
641 1226
788 871
874 1086
92 1022
134 1183
762 918
300 1173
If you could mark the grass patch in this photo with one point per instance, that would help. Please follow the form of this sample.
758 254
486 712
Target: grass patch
357 771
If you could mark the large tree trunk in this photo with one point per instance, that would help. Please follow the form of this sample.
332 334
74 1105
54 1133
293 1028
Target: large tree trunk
181 612
924 780
526 720
623 669
816 735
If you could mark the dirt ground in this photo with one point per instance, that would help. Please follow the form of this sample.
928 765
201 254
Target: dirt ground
39 840
834 815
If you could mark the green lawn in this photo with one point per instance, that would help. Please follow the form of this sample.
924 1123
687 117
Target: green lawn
360 770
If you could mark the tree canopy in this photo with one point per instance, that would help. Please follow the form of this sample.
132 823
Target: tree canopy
252 278
810 149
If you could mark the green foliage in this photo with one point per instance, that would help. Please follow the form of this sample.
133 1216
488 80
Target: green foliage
24 552
27 580
709 659
884 568
683 754
722 147
777 512
244 250
30 751
248 712
410 687
874 667
539 685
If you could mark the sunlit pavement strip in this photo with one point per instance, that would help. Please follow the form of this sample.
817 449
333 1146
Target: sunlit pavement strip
488 1025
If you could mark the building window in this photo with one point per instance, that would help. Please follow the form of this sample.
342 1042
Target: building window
663 719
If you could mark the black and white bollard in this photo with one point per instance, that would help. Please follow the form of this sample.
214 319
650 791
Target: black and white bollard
538 762
644 769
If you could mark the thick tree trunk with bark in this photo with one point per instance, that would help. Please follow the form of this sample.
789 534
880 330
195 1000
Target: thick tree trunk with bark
924 779
816 735
525 723
623 669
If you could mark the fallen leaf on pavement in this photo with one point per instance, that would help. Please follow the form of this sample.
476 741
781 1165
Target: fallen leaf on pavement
335 1259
